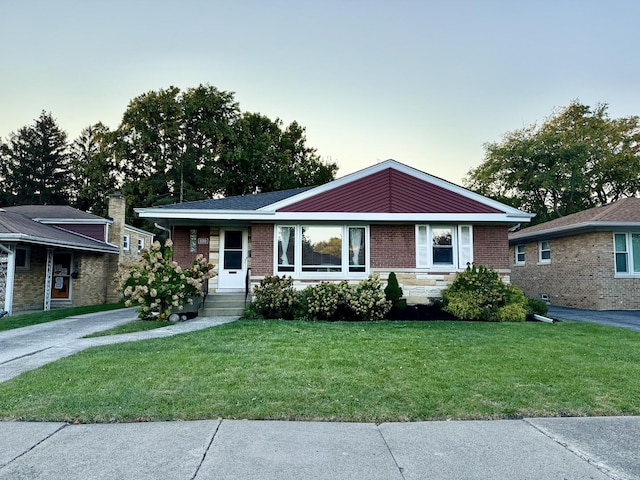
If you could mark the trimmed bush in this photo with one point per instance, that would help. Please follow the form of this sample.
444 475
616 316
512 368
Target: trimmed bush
275 297
535 306
393 292
341 301
480 294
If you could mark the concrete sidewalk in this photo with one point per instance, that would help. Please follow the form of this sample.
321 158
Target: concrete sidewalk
28 348
550 448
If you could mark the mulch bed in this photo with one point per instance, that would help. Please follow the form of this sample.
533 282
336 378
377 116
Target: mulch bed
419 312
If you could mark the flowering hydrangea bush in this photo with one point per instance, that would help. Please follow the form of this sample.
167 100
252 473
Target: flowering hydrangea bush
158 285
275 297
342 301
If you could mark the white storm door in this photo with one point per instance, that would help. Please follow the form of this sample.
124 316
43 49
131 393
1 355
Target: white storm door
233 259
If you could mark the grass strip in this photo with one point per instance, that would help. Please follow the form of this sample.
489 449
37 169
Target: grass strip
131 327
363 372
27 319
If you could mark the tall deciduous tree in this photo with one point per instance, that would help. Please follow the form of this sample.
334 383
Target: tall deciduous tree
261 156
35 163
577 159
92 169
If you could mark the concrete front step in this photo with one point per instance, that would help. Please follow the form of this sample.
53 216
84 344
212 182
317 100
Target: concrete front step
224 304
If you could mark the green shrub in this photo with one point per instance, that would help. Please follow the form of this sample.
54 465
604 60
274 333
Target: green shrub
325 299
393 291
275 297
368 301
480 294
535 306
341 301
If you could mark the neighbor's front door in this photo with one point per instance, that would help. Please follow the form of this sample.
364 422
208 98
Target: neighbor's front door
233 260
61 277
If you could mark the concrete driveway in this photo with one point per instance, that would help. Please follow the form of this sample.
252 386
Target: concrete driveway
614 318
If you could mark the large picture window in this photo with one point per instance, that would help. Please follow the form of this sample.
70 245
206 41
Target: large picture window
627 253
323 249
444 246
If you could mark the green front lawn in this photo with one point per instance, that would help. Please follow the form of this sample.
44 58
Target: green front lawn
375 372
19 320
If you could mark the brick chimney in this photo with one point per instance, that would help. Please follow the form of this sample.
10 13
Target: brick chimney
117 210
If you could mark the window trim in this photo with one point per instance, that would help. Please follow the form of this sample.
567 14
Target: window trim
517 253
629 253
460 251
140 244
544 261
126 242
27 258
344 271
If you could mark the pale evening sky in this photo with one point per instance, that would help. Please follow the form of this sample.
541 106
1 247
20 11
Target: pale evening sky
423 82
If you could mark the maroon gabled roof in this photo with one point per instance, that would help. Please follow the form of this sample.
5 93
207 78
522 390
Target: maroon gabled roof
390 191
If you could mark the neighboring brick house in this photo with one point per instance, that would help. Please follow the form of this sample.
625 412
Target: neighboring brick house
385 218
590 259
54 256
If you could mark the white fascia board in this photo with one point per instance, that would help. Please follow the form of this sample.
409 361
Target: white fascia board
397 217
182 214
299 217
137 230
73 221
575 228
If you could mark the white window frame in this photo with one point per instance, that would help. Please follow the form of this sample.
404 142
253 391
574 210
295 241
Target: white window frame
126 242
518 253
27 258
633 270
140 244
296 263
541 249
462 251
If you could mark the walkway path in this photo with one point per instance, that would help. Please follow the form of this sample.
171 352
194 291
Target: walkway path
27 348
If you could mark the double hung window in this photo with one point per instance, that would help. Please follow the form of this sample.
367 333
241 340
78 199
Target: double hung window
520 255
443 246
627 253
544 252
328 249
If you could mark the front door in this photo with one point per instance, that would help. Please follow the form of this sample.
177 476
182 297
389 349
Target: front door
61 279
233 260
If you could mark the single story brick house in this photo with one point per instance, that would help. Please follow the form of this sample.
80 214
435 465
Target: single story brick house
56 256
590 259
386 218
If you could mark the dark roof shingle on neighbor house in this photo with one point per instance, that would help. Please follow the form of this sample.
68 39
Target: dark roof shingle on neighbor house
622 213
15 227
53 212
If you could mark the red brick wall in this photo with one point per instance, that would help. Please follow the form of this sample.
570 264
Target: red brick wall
393 246
262 249
180 237
491 246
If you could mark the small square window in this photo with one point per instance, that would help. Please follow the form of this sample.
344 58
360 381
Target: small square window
23 258
520 255
544 250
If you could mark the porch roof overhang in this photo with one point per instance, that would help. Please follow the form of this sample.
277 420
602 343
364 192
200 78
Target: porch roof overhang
49 242
570 230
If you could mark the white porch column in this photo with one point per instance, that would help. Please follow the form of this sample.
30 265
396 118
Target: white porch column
47 280
10 275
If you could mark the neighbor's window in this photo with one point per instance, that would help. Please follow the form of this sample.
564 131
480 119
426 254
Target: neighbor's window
544 252
23 258
444 246
519 254
321 249
627 253
126 242
140 244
